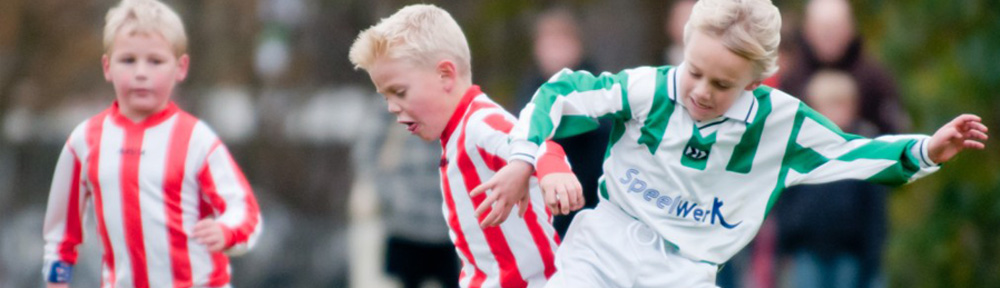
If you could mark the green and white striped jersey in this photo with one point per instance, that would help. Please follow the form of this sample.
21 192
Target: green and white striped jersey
706 187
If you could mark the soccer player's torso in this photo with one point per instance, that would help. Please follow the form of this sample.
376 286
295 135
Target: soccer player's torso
702 186
518 251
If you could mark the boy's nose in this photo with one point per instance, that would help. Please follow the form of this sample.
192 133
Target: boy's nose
393 108
700 92
141 71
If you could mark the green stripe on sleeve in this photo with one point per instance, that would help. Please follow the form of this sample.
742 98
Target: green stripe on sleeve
804 160
901 172
571 125
581 81
825 122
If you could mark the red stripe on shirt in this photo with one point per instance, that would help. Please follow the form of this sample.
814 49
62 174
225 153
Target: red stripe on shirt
463 246
74 232
510 276
131 209
173 180
219 275
220 272
95 129
554 160
243 230
208 184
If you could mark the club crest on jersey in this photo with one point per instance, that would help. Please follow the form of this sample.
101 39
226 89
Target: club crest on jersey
694 153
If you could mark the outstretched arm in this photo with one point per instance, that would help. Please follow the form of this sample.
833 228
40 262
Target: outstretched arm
964 132
566 105
561 189
555 176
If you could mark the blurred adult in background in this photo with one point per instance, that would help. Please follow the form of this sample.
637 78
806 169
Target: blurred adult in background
405 176
832 234
558 45
673 25
830 41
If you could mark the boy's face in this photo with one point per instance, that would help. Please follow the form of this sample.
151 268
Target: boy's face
143 69
713 78
415 94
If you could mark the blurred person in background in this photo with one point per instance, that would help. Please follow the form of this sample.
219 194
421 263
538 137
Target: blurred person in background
832 234
405 171
170 201
829 40
673 25
557 45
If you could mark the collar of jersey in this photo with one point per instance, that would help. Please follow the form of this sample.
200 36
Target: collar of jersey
743 108
150 121
459 112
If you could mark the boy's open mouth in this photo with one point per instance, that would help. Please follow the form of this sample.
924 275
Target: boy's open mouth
410 126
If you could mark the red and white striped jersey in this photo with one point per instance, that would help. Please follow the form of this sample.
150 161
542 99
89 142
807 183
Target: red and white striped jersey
520 251
149 183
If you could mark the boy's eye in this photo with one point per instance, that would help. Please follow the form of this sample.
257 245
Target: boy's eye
128 60
398 93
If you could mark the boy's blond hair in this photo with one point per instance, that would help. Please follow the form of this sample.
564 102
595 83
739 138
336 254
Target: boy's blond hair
422 34
145 16
749 28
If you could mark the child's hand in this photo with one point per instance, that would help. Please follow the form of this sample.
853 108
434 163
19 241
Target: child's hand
563 192
508 187
959 134
209 233
57 285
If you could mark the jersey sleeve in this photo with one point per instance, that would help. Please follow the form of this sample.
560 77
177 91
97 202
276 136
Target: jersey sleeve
228 192
63 227
570 103
493 141
819 152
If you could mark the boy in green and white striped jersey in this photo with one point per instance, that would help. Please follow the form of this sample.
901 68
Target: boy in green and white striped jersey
700 152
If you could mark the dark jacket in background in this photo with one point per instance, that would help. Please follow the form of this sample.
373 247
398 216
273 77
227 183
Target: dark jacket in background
843 217
879 96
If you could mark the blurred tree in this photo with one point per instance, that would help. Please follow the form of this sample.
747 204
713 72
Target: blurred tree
945 56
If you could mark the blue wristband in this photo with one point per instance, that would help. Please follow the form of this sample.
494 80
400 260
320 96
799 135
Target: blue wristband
61 272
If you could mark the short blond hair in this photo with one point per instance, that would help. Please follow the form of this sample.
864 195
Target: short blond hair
145 16
749 28
422 34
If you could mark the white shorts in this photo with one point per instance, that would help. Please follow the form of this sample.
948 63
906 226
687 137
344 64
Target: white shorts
604 247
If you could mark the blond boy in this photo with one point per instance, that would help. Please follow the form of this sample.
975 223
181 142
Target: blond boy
419 61
701 151
169 199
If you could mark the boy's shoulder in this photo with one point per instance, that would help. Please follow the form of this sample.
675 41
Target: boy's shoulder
484 116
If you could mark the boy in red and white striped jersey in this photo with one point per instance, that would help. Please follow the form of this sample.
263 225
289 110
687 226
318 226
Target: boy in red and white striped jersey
419 61
169 199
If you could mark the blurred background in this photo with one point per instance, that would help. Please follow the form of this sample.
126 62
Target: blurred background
273 79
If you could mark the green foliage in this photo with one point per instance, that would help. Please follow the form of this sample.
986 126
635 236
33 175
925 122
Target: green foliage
945 57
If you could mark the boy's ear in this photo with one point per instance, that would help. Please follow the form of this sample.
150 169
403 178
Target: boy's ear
183 63
448 72
106 66
752 85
